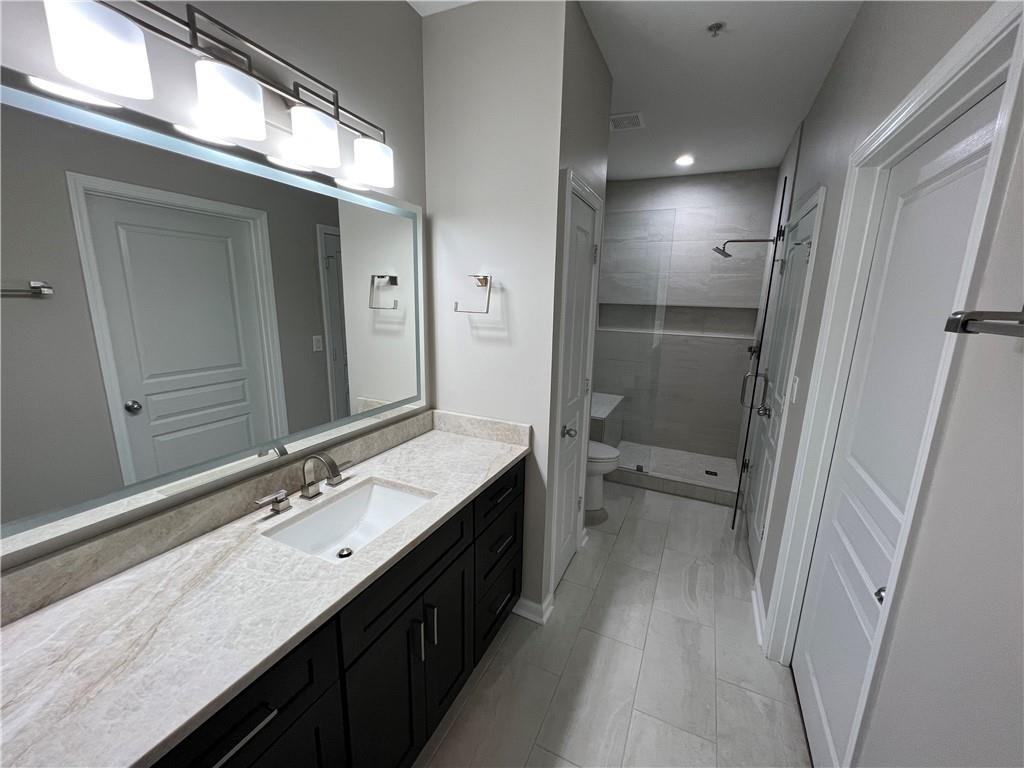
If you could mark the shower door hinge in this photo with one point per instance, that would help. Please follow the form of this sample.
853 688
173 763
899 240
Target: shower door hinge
579 503
780 233
595 251
746 465
782 266
586 386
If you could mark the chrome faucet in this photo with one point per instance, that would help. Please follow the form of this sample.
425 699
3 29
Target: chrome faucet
311 487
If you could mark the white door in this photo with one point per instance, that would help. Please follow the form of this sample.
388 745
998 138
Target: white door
884 431
178 290
578 279
781 339
333 297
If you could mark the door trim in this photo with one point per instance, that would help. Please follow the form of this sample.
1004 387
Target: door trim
329 340
815 200
570 184
988 54
81 185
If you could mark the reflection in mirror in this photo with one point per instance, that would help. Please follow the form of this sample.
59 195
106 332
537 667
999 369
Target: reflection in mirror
201 316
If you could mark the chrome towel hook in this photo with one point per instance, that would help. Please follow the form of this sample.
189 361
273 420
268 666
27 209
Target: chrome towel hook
482 281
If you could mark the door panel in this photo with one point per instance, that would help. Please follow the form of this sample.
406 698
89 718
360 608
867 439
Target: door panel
384 691
776 357
884 428
448 605
195 367
577 294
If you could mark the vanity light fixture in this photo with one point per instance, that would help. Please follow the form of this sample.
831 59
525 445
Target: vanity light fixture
230 102
69 92
684 160
348 183
291 165
200 135
315 137
99 48
375 163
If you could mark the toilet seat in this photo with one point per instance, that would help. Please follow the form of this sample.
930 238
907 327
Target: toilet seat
599 452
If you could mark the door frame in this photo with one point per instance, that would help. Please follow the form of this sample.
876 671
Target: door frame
79 187
571 184
815 199
321 230
988 54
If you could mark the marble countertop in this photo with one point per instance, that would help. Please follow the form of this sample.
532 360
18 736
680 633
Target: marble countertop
119 673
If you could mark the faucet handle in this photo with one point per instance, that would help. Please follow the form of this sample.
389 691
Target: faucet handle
278 501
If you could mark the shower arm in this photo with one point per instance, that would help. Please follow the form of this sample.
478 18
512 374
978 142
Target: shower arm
725 253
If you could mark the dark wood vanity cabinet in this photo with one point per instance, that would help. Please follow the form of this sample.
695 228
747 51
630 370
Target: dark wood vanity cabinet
367 689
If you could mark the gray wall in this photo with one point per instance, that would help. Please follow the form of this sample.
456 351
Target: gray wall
951 689
675 318
54 406
586 102
890 47
493 89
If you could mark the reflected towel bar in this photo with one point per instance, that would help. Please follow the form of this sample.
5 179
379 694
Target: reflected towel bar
392 280
482 281
36 289
997 323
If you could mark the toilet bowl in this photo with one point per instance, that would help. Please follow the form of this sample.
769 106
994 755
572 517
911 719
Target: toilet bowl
601 459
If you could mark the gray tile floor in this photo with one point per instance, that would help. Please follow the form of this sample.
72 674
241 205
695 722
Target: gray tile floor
649 658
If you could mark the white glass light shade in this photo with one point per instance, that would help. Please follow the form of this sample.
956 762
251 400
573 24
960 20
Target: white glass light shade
230 102
315 137
67 92
99 48
374 163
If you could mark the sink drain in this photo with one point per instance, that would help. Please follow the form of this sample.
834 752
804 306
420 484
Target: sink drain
345 552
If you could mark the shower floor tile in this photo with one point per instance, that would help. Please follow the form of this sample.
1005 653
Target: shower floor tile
682 466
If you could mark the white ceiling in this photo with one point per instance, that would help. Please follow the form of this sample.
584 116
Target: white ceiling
734 101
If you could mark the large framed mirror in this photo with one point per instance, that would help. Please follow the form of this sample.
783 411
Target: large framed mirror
209 315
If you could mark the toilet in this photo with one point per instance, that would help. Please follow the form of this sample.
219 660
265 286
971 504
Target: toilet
601 459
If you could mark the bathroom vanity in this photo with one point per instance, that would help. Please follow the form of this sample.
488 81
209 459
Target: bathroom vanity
238 649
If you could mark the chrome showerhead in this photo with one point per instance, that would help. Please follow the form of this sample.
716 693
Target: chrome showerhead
722 252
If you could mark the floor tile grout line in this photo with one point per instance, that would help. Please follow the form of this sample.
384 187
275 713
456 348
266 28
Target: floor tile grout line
758 693
673 725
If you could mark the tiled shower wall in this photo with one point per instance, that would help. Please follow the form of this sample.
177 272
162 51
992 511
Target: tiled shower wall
675 319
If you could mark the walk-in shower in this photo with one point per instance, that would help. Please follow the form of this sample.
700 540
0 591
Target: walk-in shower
675 323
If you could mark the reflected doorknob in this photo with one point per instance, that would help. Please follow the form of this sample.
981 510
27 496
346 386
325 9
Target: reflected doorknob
133 406
568 431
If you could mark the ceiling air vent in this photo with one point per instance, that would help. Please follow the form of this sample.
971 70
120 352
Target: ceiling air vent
626 121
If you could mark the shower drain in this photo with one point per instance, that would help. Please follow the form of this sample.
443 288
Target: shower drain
345 552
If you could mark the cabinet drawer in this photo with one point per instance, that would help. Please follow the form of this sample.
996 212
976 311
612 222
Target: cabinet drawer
497 544
315 740
257 716
366 617
489 504
497 602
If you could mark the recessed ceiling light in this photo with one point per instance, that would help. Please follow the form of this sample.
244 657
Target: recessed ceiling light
201 135
69 92
684 160
289 164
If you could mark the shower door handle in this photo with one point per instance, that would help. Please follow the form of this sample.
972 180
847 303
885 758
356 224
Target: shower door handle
743 389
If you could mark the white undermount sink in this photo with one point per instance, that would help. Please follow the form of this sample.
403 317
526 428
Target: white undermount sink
349 520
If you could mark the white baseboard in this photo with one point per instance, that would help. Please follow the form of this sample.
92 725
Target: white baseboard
759 615
535 612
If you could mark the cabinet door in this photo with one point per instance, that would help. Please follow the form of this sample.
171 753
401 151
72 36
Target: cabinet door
448 606
315 740
385 695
